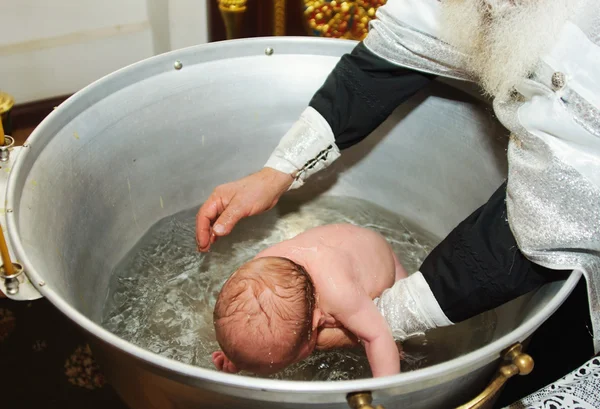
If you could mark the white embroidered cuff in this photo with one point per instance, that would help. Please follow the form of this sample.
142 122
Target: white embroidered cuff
308 147
410 308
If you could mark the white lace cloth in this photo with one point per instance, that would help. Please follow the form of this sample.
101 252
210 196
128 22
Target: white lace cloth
580 389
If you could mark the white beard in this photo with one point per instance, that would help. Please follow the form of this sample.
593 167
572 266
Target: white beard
504 39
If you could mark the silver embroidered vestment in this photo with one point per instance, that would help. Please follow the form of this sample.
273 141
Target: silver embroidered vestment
553 190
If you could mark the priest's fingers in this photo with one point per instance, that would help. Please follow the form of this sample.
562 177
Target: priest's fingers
231 215
207 214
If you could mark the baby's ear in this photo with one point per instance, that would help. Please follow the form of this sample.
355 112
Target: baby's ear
222 363
317 319
218 359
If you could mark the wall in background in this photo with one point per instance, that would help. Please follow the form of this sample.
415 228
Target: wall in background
50 48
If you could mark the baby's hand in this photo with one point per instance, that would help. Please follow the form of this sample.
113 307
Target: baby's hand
222 363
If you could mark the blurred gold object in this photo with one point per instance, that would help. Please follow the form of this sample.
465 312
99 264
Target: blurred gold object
279 20
7 264
6 104
340 19
232 12
1 134
361 400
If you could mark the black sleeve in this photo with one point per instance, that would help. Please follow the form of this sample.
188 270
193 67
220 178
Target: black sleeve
361 92
478 266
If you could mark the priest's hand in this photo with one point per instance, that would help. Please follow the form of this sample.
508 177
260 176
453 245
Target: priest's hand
231 202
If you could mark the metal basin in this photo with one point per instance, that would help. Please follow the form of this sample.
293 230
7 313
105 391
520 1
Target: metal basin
90 182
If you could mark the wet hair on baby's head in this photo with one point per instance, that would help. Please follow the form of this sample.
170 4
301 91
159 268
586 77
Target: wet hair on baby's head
263 314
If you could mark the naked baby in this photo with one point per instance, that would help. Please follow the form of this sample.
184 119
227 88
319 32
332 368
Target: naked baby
314 291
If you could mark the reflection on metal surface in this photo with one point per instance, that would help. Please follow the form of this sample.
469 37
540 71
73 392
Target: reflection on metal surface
519 363
362 400
340 19
232 12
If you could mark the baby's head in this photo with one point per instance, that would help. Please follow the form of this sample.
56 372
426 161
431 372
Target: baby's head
264 315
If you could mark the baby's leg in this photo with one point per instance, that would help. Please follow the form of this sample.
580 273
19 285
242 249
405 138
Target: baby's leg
400 271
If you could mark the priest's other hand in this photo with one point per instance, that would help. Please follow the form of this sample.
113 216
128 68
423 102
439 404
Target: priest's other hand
231 202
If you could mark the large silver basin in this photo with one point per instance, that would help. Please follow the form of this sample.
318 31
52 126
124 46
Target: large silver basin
91 180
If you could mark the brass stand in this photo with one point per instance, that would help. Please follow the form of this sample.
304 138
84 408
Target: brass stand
232 12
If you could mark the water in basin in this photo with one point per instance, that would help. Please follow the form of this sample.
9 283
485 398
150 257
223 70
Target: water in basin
163 292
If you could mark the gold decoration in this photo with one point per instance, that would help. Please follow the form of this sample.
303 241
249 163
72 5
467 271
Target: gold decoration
340 19
232 12
6 102
279 13
232 5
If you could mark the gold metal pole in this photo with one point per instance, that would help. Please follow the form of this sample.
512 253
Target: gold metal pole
232 12
279 17
1 133
9 269
6 105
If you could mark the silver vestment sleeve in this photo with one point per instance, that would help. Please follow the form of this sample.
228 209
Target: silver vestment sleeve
406 33
410 308
308 147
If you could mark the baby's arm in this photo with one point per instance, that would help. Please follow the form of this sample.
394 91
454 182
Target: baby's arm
364 320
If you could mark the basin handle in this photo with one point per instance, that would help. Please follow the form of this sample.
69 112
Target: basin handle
361 400
515 362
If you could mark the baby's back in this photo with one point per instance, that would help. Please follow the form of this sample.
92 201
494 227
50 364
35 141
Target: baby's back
367 257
